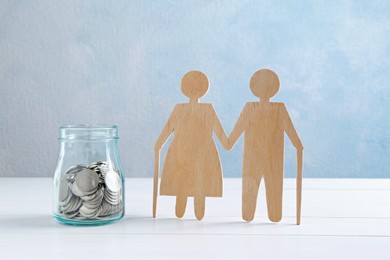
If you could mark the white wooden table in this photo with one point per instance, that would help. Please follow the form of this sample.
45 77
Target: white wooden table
341 219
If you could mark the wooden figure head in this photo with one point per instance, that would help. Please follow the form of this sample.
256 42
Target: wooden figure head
194 84
264 84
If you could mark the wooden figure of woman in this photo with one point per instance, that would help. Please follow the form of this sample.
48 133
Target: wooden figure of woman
192 165
264 124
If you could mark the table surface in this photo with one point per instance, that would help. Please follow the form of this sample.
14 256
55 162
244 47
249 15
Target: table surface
341 219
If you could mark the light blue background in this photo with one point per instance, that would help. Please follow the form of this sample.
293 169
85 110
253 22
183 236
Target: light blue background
121 62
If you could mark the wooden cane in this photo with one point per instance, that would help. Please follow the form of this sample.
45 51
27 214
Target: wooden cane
155 181
299 184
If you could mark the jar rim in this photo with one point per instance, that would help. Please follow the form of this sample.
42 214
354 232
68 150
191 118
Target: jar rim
88 126
88 132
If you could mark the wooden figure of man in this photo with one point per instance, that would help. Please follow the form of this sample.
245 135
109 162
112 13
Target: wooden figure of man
192 166
263 124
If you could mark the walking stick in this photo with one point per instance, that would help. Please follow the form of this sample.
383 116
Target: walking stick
299 184
155 180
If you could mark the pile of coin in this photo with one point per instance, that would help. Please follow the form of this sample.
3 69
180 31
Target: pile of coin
88 192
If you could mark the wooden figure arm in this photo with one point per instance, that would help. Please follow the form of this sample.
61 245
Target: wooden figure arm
239 128
290 130
166 132
216 126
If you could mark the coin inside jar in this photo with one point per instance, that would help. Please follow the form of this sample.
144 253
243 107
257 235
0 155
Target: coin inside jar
113 181
86 181
64 190
88 192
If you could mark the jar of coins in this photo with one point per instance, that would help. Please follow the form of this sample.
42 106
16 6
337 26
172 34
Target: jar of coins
88 181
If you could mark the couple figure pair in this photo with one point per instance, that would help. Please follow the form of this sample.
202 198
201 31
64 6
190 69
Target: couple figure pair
192 166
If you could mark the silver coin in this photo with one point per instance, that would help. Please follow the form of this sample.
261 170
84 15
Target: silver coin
76 168
63 190
116 208
66 201
113 200
79 217
73 171
98 163
113 181
100 168
89 197
87 212
112 194
97 213
70 177
95 202
71 214
92 208
104 209
76 191
74 204
86 181
112 197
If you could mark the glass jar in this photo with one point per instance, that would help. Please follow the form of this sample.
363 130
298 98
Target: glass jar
88 182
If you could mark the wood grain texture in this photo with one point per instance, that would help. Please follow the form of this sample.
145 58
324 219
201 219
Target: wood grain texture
263 125
192 165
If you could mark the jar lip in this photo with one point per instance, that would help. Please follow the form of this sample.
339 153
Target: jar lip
88 126
88 132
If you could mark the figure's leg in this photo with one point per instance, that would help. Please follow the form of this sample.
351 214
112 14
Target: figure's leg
250 190
181 203
251 177
274 191
199 206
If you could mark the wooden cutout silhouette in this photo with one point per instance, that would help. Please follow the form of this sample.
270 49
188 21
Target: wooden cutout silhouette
192 166
263 124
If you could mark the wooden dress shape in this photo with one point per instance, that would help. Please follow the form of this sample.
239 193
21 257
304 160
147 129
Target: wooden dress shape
192 166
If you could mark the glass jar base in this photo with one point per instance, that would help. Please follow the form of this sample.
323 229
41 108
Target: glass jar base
88 222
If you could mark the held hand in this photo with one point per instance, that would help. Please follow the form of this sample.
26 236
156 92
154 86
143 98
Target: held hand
225 142
229 145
